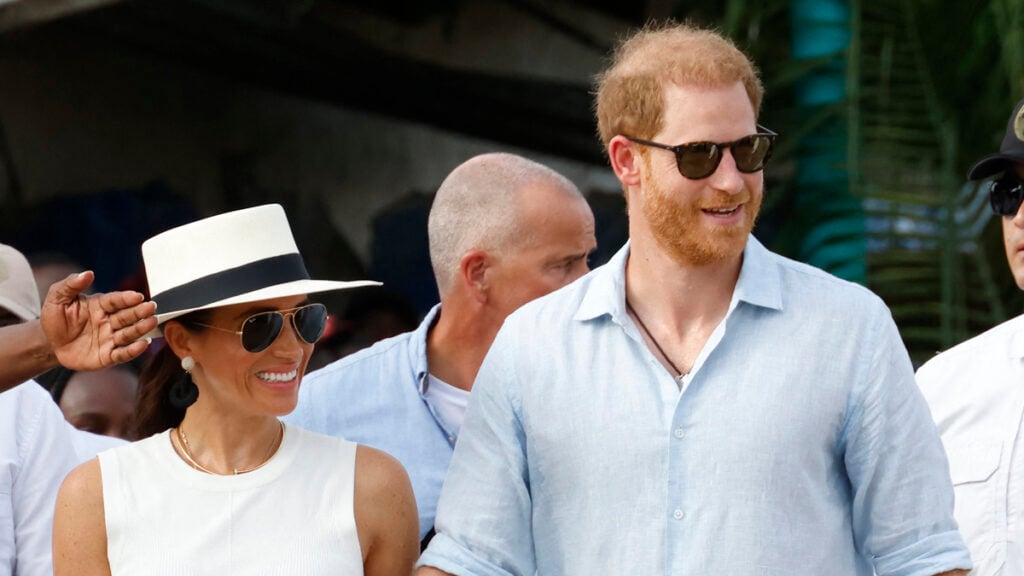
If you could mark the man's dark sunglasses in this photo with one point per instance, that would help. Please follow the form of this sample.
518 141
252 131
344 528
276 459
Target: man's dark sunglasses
697 160
260 330
1005 195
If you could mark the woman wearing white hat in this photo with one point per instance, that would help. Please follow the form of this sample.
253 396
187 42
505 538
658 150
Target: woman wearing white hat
222 486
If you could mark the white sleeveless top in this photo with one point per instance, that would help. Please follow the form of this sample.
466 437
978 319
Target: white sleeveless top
292 516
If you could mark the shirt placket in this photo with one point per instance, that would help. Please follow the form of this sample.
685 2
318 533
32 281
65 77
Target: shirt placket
676 506
679 509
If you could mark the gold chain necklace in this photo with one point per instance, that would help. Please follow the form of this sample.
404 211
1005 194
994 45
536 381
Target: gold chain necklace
187 452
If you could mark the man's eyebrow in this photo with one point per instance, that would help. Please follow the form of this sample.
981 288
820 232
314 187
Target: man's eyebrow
570 258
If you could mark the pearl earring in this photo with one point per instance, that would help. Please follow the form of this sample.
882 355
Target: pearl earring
188 364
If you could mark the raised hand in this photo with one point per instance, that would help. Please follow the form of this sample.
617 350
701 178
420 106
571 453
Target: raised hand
89 332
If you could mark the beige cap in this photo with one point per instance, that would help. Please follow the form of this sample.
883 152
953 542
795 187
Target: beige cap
18 291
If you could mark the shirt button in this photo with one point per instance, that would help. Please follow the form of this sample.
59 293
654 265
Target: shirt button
678 514
678 433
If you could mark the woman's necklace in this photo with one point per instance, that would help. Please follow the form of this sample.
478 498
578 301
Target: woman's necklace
678 374
187 452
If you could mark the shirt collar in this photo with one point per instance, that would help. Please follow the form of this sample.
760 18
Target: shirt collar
606 293
1015 346
418 347
760 281
759 284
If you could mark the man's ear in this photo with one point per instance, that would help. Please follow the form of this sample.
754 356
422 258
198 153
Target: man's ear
473 274
625 161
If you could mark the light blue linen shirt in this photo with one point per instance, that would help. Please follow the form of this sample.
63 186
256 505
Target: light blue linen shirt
375 397
798 445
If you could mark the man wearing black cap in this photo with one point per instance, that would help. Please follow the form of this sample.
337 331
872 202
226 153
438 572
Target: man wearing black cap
976 392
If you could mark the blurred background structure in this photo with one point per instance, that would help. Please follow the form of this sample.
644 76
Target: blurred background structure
121 118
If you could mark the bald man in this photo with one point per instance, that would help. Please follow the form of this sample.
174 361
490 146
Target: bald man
503 230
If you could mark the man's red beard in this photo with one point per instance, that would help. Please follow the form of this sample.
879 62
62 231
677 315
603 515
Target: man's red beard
680 228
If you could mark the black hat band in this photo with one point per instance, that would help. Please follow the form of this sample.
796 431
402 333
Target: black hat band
232 282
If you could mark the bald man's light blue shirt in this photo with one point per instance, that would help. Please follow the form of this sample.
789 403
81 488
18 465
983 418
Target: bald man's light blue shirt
376 397
799 443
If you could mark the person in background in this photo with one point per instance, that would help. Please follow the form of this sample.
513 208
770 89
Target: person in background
106 394
503 230
218 484
77 331
976 395
697 405
36 446
19 304
99 401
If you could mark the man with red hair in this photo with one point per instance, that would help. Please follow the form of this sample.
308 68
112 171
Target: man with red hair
698 405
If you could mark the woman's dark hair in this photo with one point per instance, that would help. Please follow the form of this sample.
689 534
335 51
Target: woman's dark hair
154 411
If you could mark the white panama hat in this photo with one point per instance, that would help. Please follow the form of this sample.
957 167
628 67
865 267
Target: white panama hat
231 258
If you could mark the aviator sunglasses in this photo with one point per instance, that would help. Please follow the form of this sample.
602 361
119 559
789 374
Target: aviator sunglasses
260 330
1005 195
697 160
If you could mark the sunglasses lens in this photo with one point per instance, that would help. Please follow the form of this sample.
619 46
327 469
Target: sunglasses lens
752 152
310 322
1005 196
698 160
260 331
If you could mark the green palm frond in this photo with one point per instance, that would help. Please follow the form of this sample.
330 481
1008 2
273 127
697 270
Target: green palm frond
928 87
927 259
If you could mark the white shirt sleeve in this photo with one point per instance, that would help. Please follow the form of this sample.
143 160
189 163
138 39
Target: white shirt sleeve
33 467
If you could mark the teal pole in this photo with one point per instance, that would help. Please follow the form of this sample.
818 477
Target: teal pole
833 231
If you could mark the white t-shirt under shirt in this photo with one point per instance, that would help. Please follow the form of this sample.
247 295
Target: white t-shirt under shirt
449 402
295 515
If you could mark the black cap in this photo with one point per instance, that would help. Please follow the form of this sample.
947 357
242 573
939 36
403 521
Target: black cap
1011 151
